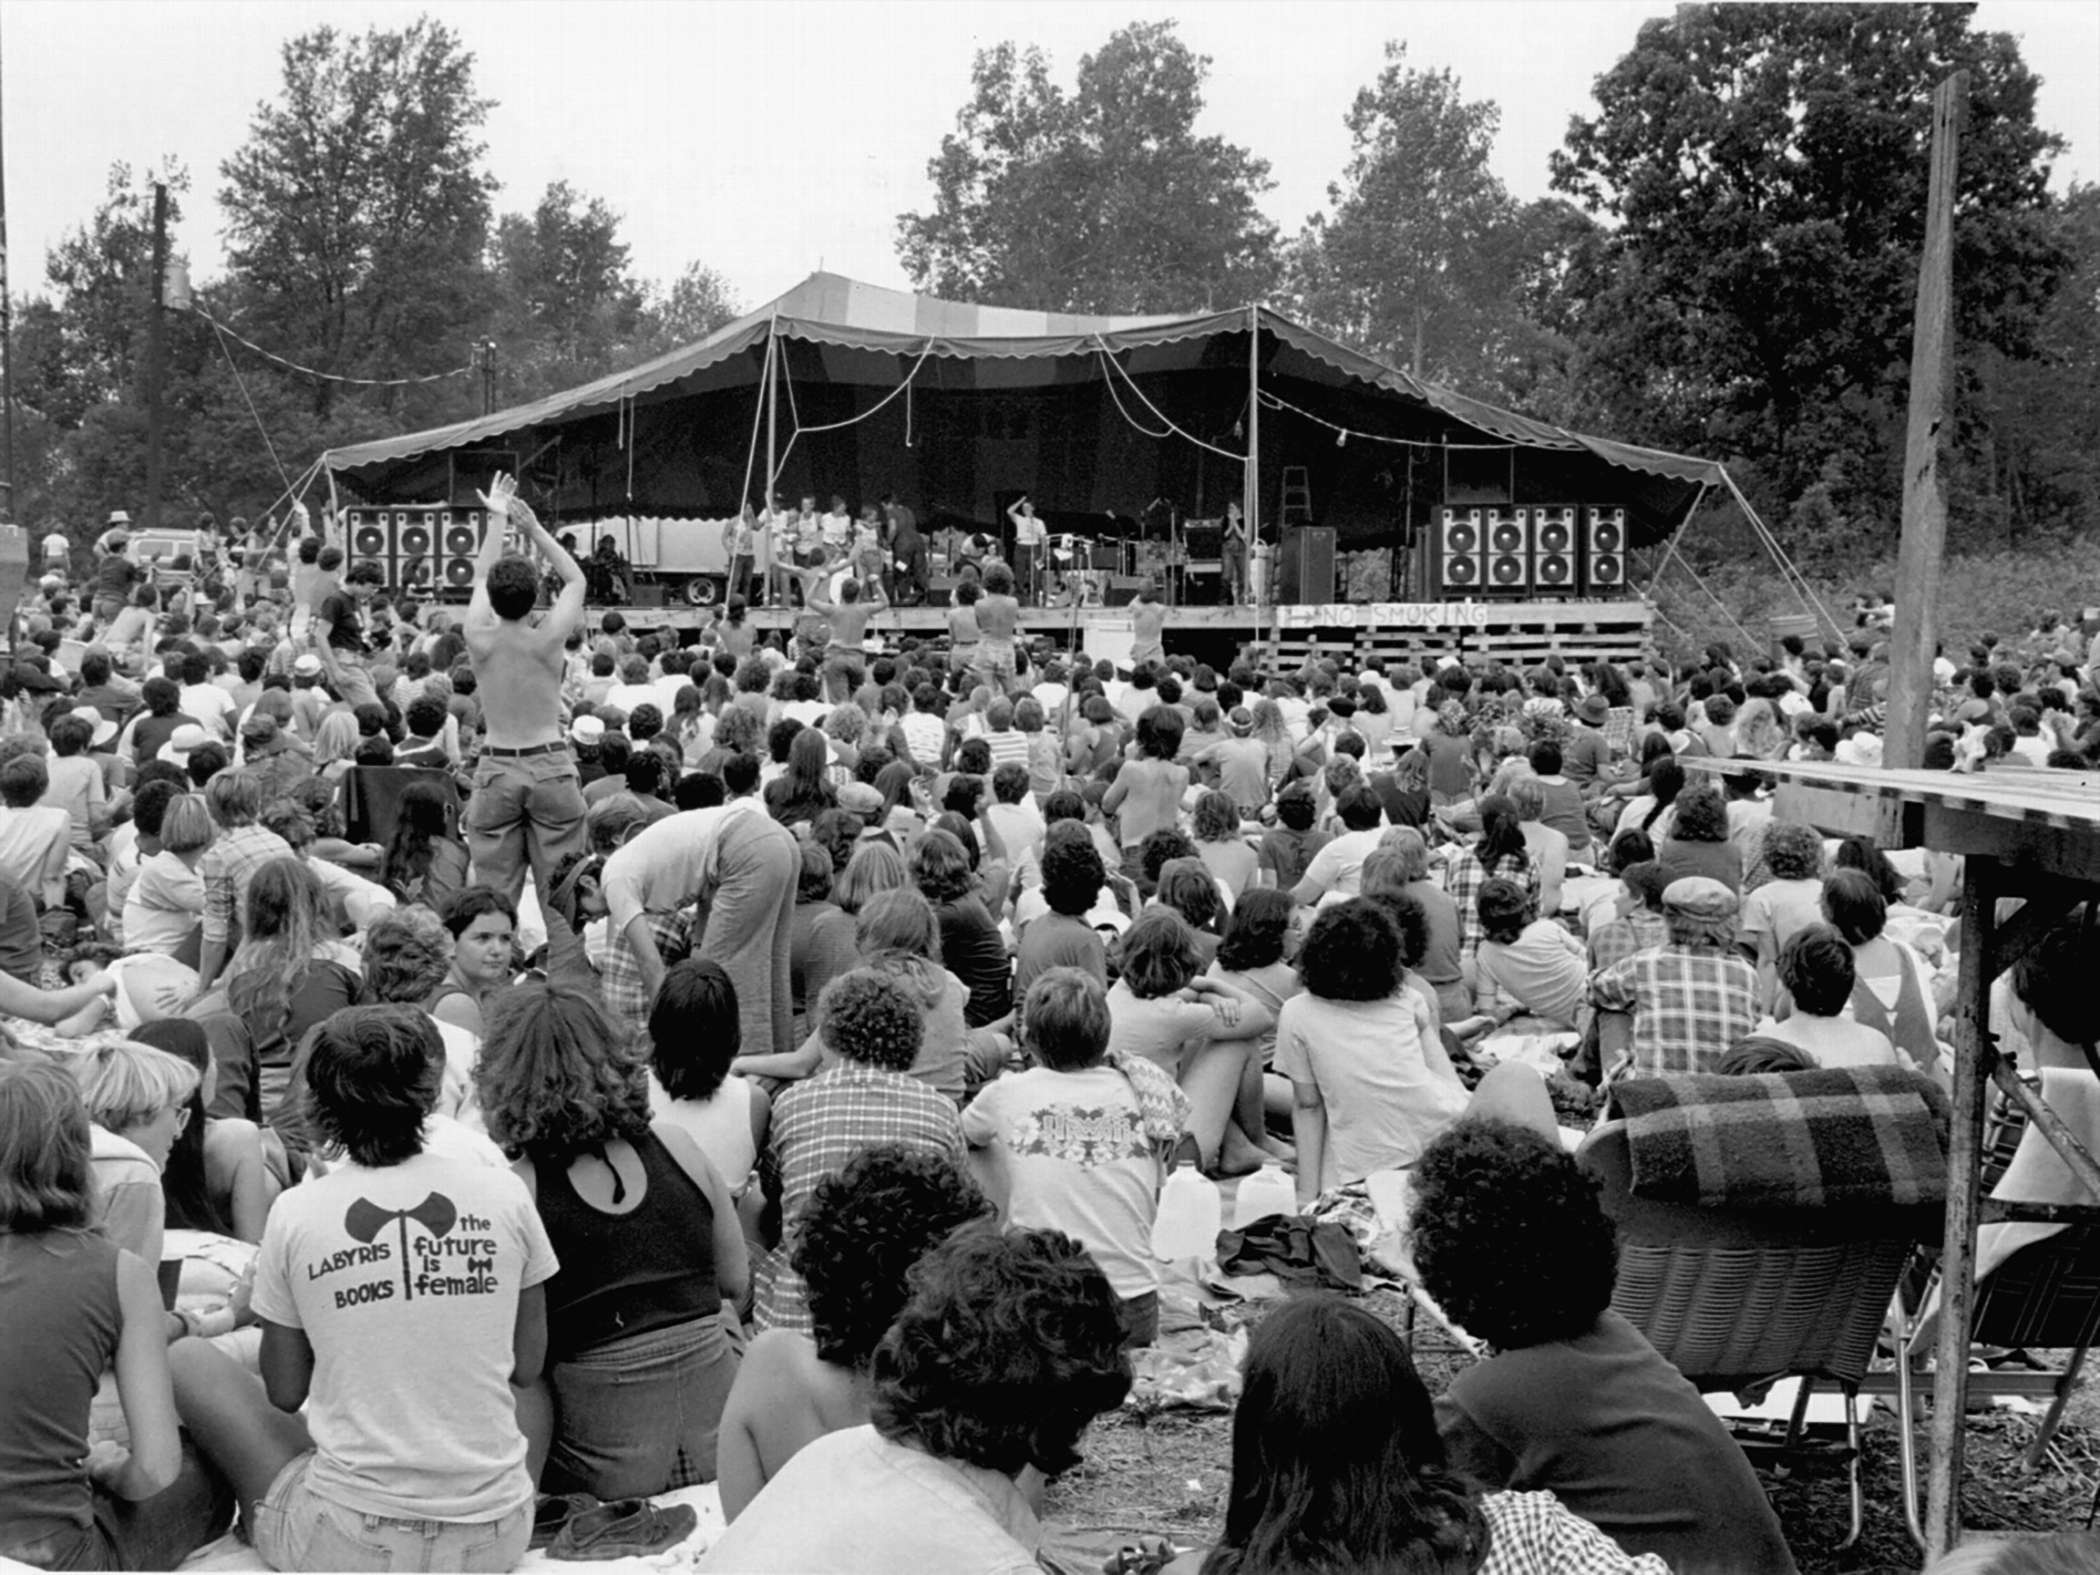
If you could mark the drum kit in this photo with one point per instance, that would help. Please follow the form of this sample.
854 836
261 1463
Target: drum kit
1071 580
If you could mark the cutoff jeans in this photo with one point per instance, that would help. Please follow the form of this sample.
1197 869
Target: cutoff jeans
526 811
297 1529
640 1415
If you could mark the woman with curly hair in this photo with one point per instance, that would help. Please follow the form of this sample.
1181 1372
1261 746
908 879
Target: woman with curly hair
1370 1082
1698 841
861 1232
971 945
425 863
647 1237
872 1028
1200 1031
1511 1241
1336 1465
1254 958
1009 1347
287 975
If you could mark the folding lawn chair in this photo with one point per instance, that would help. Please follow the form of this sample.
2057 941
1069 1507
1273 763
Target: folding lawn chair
1737 1295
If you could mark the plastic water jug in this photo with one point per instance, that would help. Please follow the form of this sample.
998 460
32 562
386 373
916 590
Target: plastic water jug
1268 1191
1186 1225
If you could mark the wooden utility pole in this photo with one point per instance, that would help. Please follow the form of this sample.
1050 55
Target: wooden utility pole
1914 641
7 355
1250 481
156 354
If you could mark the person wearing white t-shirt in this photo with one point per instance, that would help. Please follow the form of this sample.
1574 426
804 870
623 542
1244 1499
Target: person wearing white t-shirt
403 1330
1080 1142
1336 871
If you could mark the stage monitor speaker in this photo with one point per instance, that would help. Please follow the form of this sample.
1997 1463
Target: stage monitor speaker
1553 548
1315 564
1508 553
371 535
459 541
1458 542
1604 549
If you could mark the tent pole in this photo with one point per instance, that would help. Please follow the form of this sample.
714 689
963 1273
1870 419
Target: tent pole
1250 491
765 504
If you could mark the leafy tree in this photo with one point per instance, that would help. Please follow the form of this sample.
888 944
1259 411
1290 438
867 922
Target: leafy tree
1101 200
1764 168
1416 262
698 302
569 306
357 211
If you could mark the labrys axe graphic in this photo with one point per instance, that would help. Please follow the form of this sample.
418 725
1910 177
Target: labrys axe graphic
367 1219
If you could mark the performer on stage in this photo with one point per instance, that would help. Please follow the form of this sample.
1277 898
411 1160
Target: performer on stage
907 550
1028 549
1235 554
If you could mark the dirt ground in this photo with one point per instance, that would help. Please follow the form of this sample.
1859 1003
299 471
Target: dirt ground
1166 1476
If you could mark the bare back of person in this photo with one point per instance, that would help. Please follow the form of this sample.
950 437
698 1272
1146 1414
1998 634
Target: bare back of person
998 617
518 669
785 1398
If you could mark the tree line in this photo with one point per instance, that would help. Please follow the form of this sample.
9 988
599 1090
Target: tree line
1725 266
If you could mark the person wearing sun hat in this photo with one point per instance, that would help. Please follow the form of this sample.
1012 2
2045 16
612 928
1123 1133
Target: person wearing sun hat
1585 753
1694 997
183 742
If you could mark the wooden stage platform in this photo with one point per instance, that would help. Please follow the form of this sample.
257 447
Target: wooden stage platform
1511 632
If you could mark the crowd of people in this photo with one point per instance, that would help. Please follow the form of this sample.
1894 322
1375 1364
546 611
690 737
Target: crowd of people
467 1072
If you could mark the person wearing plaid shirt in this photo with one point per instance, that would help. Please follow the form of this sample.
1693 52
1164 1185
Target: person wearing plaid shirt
1498 855
872 1027
241 848
1692 998
1640 923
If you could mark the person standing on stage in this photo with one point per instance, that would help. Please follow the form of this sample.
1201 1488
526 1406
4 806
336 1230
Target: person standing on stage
1235 553
998 623
527 806
1148 619
1028 548
907 552
741 537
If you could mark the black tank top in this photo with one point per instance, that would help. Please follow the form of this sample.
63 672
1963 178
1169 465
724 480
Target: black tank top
625 1274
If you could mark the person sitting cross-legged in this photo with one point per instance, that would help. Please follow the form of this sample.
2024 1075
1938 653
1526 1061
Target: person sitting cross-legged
401 1302
1527 965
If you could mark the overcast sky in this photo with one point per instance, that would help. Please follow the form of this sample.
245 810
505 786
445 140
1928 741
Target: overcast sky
770 139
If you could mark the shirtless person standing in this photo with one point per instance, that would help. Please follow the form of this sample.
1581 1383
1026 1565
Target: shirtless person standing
848 617
998 621
527 803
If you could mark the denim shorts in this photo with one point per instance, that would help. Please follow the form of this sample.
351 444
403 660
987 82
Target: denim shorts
297 1529
640 1414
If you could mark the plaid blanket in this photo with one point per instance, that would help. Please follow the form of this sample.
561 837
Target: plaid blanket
1864 1135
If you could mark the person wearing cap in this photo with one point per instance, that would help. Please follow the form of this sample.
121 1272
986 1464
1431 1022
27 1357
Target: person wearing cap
527 806
1585 753
1241 763
1691 999
116 576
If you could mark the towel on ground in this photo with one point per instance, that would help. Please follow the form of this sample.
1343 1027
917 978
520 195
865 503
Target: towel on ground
1852 1135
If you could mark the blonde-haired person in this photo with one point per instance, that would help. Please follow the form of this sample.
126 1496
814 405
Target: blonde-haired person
289 975
77 1304
136 1098
335 746
164 911
1548 847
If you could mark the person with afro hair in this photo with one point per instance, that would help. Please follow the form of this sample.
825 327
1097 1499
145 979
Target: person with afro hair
1008 1349
871 1027
1510 1239
861 1232
1371 1083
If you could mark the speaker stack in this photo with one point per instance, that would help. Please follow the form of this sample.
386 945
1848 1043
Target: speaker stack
1552 549
420 549
1458 550
1604 549
1508 552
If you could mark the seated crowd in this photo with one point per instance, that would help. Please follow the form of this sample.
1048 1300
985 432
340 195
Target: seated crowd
800 1123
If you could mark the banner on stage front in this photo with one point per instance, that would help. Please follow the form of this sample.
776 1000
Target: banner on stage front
1385 615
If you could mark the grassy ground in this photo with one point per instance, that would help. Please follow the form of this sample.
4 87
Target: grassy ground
1166 1476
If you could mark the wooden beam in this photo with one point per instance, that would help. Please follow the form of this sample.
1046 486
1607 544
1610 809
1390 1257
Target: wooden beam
1913 641
1972 1057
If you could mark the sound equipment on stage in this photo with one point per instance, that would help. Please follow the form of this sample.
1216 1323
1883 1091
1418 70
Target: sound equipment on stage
1553 548
1315 554
1508 552
1107 557
1459 543
420 548
940 590
1604 549
1121 589
1203 538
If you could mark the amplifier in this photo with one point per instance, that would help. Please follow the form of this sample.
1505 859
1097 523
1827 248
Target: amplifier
1205 538
1107 557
